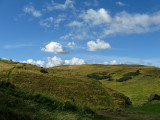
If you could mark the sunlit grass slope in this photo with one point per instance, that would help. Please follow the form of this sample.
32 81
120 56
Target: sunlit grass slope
64 83
138 88
72 82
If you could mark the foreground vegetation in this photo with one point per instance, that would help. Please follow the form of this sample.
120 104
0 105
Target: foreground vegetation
77 92
19 105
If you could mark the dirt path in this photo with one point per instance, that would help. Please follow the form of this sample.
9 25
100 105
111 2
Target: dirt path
10 74
127 116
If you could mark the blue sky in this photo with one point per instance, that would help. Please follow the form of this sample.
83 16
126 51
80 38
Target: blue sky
71 32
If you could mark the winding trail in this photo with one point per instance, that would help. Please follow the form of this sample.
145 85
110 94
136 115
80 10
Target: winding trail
10 74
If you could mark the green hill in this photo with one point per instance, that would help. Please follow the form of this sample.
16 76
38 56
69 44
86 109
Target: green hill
62 82
99 87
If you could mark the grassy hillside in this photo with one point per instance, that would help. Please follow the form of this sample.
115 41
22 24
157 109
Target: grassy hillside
73 82
138 88
16 104
64 83
99 87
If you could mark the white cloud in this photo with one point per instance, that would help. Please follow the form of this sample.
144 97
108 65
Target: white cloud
56 61
4 58
31 10
99 44
38 63
75 61
75 23
52 22
96 17
120 3
66 36
17 46
67 4
101 23
47 22
54 47
105 63
113 62
72 45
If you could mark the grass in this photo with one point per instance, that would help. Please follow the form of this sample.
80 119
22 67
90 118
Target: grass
152 109
18 104
72 83
62 85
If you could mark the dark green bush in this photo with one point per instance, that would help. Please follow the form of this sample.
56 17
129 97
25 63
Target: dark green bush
99 76
43 70
132 73
124 78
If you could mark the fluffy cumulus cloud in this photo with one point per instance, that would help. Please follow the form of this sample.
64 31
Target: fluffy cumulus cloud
107 24
120 3
72 45
31 10
67 4
56 61
38 63
96 17
54 47
99 44
75 61
113 62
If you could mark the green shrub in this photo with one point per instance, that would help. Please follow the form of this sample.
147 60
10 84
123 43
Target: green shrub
43 70
68 105
124 78
132 73
99 76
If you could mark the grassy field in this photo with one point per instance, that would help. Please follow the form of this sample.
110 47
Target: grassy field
95 86
64 83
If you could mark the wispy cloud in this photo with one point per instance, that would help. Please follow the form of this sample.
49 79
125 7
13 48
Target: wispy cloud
101 23
31 10
92 3
120 3
52 21
67 4
72 45
17 46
